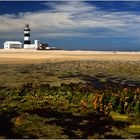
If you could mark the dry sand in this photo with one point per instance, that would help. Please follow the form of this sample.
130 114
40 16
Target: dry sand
14 56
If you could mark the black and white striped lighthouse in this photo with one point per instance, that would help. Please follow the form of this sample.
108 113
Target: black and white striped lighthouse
27 35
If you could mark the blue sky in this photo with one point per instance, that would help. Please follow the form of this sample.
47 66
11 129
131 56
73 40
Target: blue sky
86 25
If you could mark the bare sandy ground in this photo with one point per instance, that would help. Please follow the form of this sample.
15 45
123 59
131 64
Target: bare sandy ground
16 56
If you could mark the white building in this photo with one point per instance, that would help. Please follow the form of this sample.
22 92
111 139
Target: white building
32 46
12 45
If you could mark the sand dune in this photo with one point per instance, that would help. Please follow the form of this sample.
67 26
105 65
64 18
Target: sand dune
34 56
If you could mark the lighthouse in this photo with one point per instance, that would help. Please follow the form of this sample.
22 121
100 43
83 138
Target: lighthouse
27 41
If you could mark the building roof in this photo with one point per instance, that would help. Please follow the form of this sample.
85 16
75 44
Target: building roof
13 42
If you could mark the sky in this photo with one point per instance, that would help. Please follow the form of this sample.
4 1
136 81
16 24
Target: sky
74 25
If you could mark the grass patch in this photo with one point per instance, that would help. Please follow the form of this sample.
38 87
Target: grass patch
119 117
134 129
60 72
70 100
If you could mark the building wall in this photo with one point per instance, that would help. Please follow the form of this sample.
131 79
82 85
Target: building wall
16 46
37 44
6 46
29 46
12 46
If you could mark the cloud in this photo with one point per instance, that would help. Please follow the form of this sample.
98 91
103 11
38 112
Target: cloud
69 19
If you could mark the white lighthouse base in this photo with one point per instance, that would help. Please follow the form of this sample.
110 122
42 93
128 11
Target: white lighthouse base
29 46
32 46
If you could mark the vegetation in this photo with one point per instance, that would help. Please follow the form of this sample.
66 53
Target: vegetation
83 99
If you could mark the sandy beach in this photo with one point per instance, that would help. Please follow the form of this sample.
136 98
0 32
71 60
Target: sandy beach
19 56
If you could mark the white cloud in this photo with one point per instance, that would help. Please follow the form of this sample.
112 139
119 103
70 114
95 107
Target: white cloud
69 19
